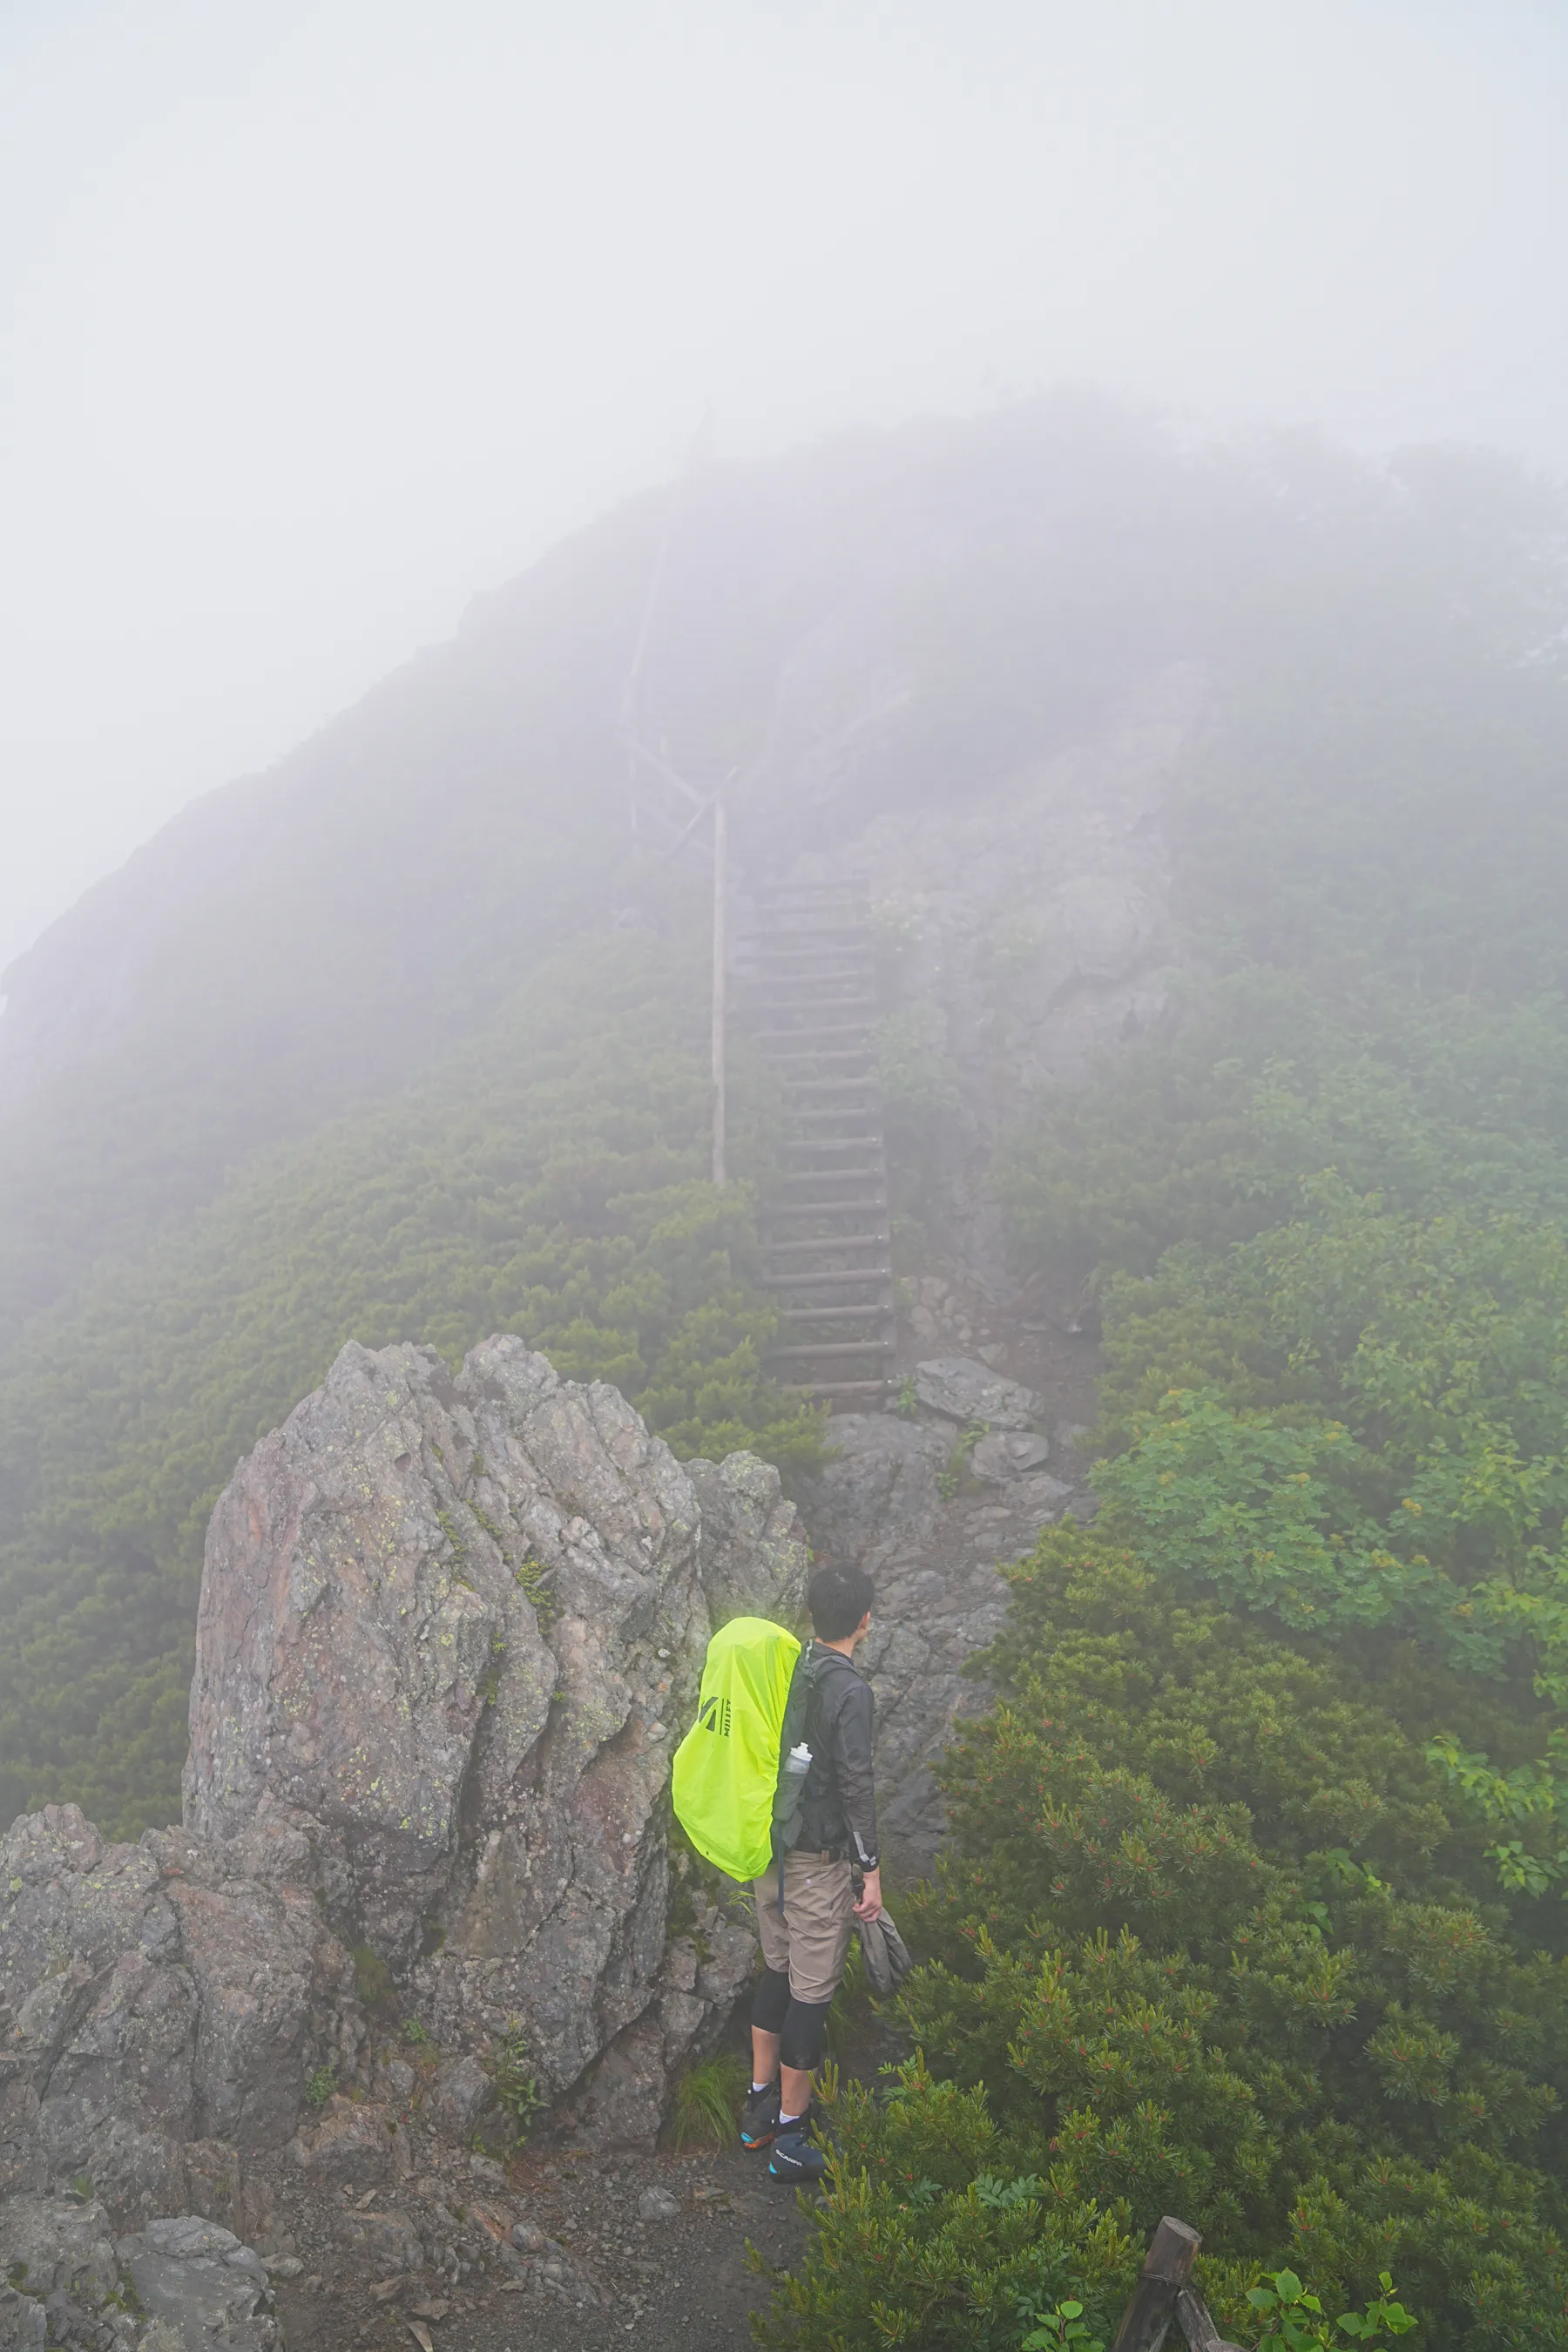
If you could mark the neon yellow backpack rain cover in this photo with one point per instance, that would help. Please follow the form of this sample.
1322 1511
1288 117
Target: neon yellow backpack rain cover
726 1769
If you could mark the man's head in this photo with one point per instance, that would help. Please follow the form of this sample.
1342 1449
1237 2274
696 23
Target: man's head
840 1600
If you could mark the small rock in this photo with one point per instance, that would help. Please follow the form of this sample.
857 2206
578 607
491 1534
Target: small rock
487 2171
658 2205
285 2266
399 2078
964 1389
351 2145
460 2097
23 2326
528 2237
1009 1453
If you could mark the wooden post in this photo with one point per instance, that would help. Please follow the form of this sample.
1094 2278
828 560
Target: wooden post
720 1174
1193 2317
1167 2266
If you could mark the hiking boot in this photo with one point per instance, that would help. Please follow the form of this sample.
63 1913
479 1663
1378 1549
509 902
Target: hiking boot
794 2158
760 2116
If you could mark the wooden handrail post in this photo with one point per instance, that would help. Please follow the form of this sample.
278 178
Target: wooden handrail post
1193 2318
720 952
1167 2267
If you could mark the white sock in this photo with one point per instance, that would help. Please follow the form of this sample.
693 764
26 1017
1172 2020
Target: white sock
761 2086
784 2120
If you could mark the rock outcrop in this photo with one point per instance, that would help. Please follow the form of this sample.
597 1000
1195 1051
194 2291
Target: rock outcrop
932 1517
181 2285
158 1997
448 1626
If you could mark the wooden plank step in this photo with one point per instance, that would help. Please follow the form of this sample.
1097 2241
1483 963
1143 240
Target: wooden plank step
830 1052
819 1004
829 1086
772 1040
822 1175
825 1281
832 1142
780 935
823 1029
829 1348
841 1241
830 1314
794 964
825 1208
845 1110
846 1387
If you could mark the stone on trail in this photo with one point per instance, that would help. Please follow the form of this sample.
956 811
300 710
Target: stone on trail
23 2326
50 2244
966 1391
1009 1453
658 2205
200 2288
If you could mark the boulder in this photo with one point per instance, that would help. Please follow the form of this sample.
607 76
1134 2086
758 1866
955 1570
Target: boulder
448 1632
200 2288
939 1597
449 1628
49 2246
751 1558
965 1389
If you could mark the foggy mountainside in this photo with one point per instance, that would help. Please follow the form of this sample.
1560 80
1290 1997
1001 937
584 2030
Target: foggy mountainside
1253 1910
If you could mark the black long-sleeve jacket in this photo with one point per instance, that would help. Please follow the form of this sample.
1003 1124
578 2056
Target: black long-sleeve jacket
839 1809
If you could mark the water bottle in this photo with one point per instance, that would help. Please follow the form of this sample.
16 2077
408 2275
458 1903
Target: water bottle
798 1759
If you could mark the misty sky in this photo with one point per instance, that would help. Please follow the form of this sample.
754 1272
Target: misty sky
316 318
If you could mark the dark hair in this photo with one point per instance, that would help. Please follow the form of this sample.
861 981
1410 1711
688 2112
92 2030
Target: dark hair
837 1599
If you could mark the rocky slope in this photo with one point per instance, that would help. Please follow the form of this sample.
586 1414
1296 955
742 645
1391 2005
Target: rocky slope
447 1627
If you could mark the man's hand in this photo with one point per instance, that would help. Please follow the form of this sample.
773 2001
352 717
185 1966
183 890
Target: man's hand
870 1903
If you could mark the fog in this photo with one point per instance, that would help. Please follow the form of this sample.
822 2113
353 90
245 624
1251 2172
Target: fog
316 319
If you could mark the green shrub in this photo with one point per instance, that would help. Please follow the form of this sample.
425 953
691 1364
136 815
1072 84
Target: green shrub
1299 2022
517 2086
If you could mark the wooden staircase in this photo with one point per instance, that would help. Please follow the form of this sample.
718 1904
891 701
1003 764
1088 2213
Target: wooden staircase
824 1222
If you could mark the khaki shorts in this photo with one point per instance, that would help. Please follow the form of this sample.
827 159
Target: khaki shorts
811 1939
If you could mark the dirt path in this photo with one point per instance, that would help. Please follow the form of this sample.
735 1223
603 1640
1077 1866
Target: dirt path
559 2252
677 2280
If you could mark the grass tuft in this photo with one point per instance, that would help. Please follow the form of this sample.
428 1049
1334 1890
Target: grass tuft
708 2100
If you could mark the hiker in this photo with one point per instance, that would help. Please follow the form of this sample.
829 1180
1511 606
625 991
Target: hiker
806 1938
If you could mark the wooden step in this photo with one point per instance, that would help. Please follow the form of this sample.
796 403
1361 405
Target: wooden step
825 1208
846 1387
828 1085
828 1313
816 939
822 1054
830 1348
839 1242
817 1003
825 1281
820 1118
835 1029
780 935
835 1175
832 1142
